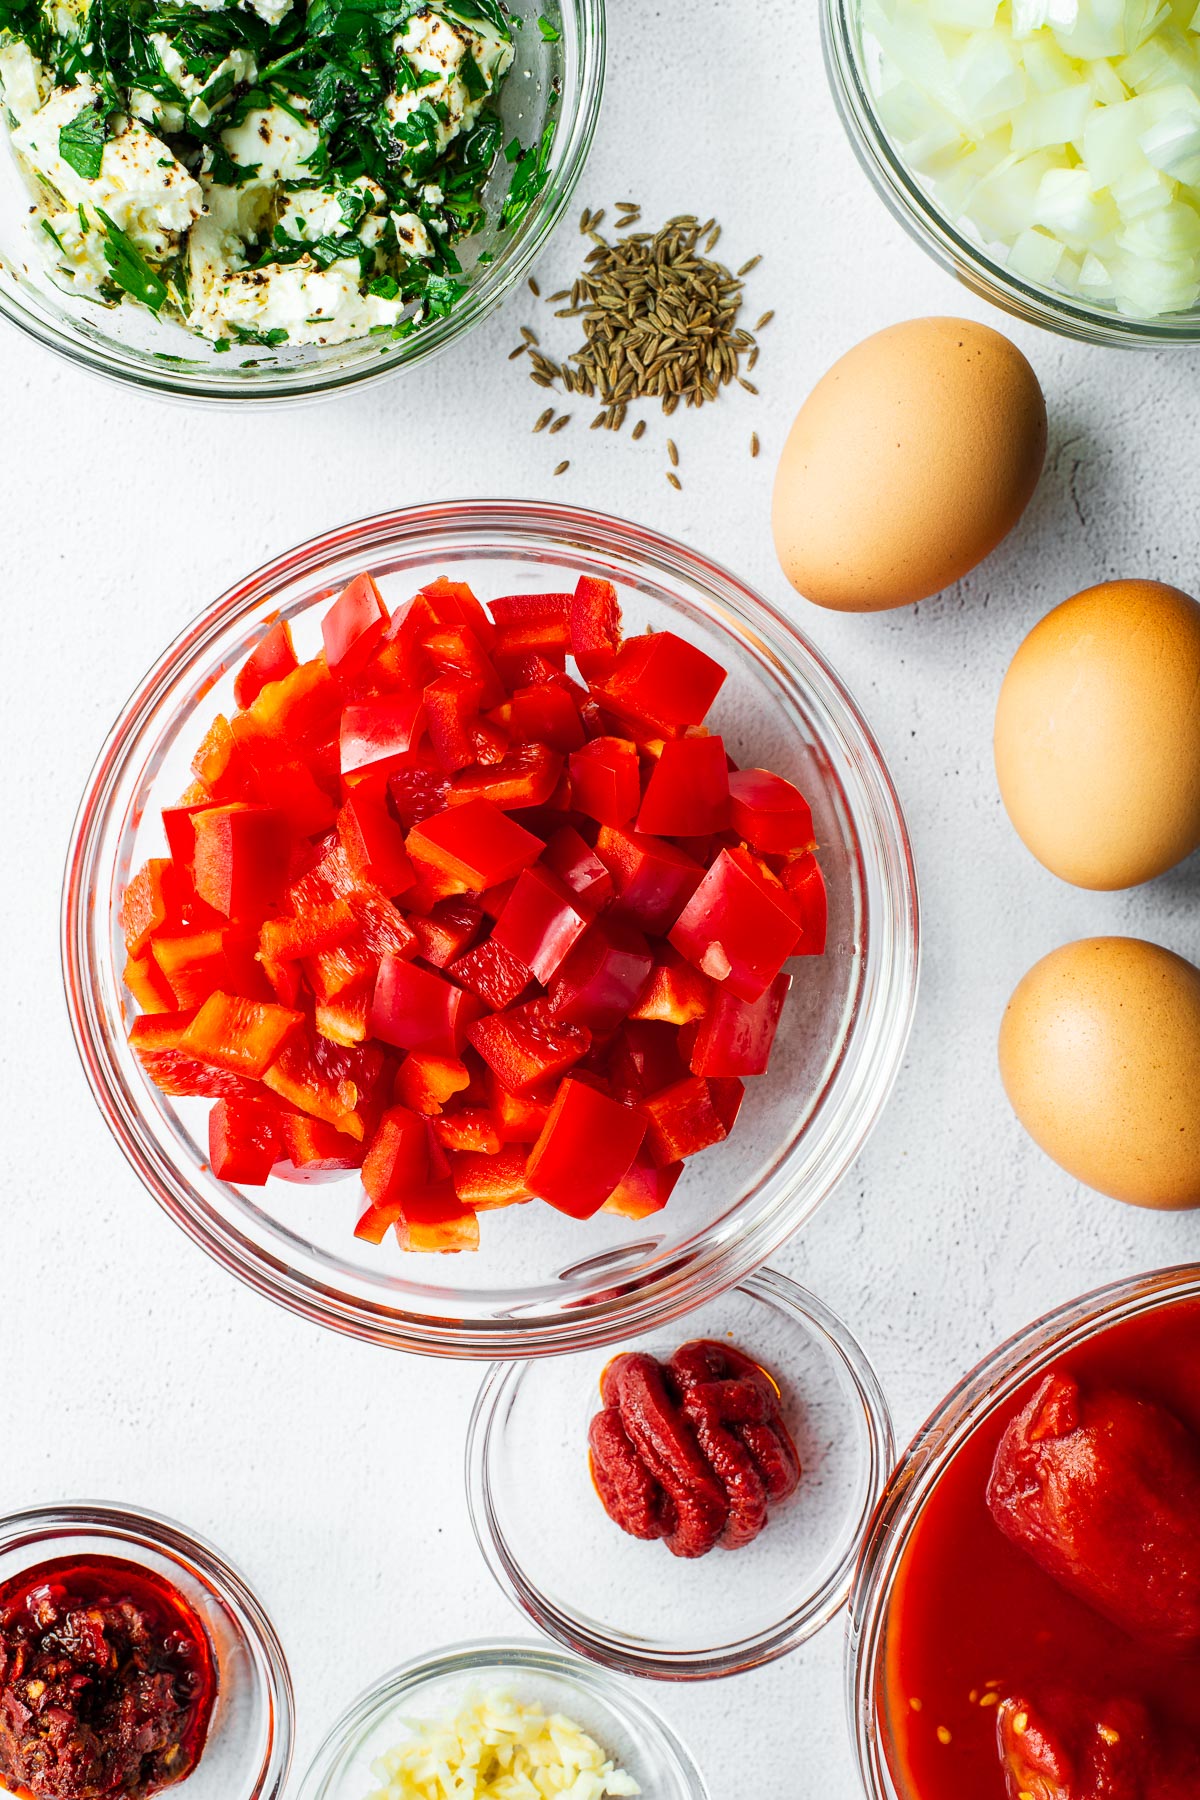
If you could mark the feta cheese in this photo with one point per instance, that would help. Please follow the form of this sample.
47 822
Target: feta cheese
141 186
274 142
432 44
313 306
414 239
24 84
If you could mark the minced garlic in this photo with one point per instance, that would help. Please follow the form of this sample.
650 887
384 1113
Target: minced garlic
498 1749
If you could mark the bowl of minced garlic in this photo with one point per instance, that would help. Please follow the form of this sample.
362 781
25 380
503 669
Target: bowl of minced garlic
502 1722
496 1748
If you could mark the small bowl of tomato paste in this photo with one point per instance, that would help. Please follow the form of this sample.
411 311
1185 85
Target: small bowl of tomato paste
1026 1614
490 929
134 1660
729 1536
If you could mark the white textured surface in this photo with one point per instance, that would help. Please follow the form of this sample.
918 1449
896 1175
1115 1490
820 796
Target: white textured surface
133 1368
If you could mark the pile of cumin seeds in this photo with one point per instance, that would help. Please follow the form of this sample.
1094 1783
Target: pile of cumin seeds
660 322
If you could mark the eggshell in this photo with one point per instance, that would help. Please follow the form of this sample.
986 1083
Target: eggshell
1100 1057
1098 735
908 463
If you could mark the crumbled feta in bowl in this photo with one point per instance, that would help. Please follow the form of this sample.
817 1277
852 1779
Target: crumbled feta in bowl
219 196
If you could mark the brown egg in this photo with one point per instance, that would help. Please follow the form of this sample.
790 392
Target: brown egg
907 464
1100 1057
1098 735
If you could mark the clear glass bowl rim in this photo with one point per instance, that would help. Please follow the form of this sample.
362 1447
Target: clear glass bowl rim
913 208
390 1691
621 1654
267 387
984 1387
727 1259
37 1527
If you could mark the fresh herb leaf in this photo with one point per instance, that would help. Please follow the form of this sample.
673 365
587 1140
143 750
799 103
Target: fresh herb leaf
549 31
130 270
528 179
81 143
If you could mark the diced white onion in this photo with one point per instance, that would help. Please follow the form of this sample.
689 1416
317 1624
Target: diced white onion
1065 134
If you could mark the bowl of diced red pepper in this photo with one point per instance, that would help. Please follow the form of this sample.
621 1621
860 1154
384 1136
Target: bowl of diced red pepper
502 882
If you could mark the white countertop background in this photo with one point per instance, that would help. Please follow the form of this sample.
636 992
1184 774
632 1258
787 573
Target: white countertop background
132 1368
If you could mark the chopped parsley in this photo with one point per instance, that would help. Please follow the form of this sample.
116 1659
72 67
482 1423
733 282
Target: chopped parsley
549 31
130 270
81 143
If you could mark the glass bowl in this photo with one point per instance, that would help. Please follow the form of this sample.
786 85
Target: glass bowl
561 80
541 1282
432 1687
632 1605
248 1752
993 1384
847 64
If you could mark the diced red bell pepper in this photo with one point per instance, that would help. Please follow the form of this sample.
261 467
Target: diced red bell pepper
645 1188
273 657
144 904
527 1047
576 864
316 927
292 788
490 743
526 776
545 714
244 1036
805 886
374 842
643 1059
243 1146
736 1036
585 1150
445 1236
454 603
492 972
313 1151
240 858
662 681
353 627
177 823
653 879
219 766
197 963
400 1161
418 789
682 1120
688 791
595 620
458 651
155 1039
603 977
415 1009
426 1082
451 709
345 1018
323 1079
540 923
519 1120
470 1128
676 993
532 621
295 710
476 844
148 985
375 735
485 1182
446 931
736 928
606 780
529 668
769 812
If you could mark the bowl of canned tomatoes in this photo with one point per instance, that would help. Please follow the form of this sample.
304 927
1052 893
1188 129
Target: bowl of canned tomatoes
490 929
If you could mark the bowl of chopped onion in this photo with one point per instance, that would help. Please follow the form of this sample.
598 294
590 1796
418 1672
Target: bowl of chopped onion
494 1719
1047 152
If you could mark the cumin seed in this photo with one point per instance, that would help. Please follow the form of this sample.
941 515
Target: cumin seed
639 430
674 480
562 468
673 453
534 289
545 419
754 445
559 423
